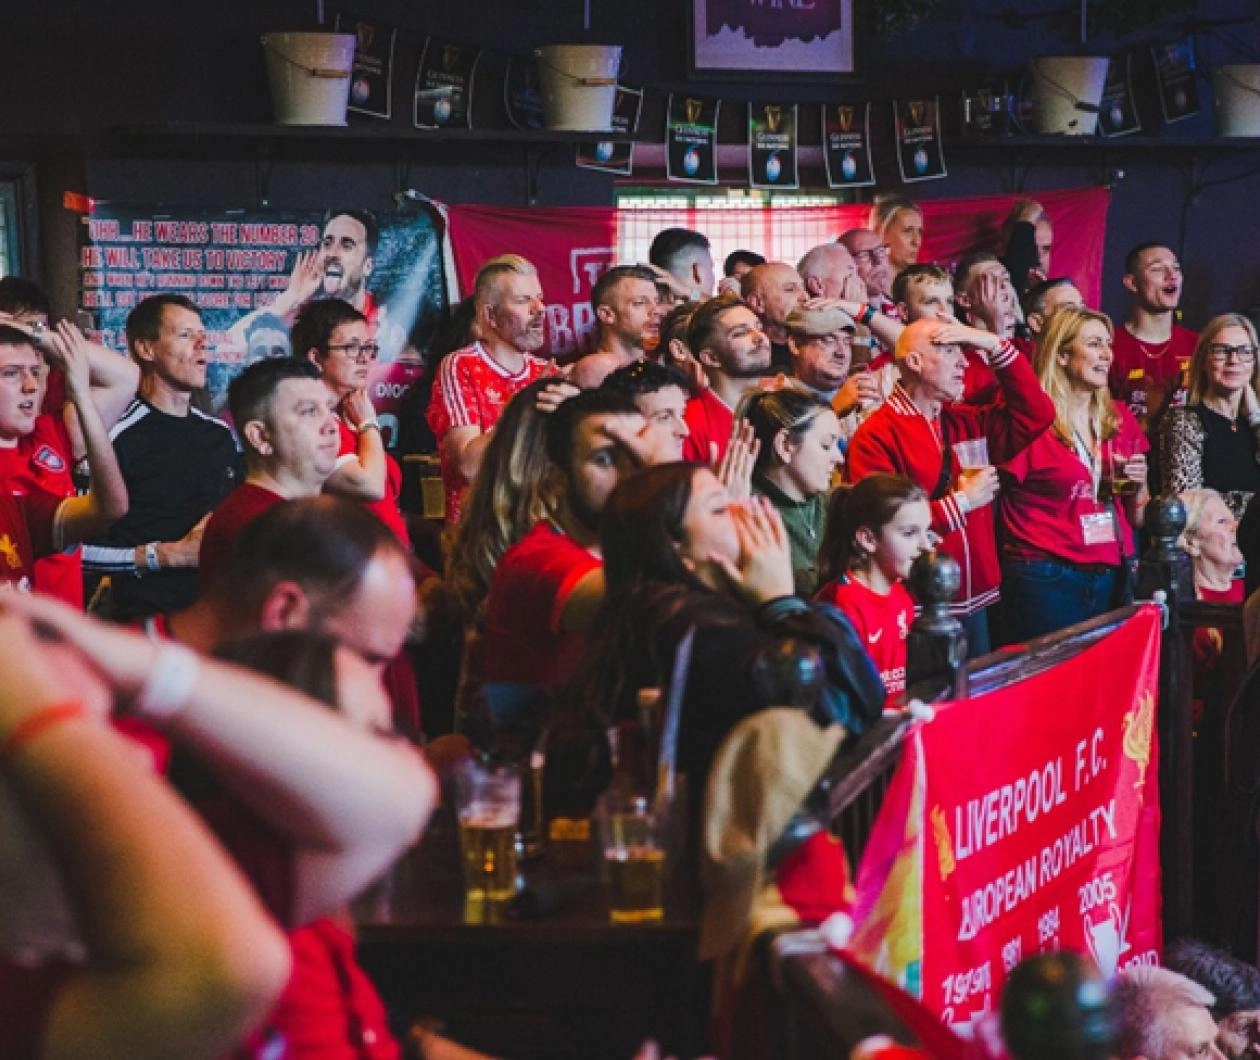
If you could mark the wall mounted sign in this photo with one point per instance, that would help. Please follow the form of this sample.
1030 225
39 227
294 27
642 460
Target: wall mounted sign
738 38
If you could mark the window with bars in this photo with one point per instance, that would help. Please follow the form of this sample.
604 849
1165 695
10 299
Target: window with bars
780 227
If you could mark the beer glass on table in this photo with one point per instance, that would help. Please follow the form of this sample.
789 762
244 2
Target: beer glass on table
634 858
488 804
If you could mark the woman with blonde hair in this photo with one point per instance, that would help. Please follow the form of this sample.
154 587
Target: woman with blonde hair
898 220
1070 500
1212 442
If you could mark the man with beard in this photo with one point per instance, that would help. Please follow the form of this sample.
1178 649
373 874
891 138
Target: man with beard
772 291
547 587
1152 351
628 316
473 384
728 341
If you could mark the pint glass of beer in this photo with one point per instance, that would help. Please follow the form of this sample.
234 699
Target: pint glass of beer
488 803
634 859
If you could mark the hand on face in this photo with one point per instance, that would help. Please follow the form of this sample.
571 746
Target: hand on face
763 571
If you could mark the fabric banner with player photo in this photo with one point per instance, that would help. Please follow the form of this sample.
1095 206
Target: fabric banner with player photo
241 270
1003 835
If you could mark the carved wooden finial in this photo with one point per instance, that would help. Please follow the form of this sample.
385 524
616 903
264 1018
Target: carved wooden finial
1165 520
936 650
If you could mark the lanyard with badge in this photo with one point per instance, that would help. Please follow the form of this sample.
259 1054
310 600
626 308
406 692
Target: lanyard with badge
1097 527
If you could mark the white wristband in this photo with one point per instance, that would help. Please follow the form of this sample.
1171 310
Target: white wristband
170 682
963 502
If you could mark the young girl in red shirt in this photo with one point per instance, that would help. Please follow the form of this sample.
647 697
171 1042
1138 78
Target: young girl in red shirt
875 530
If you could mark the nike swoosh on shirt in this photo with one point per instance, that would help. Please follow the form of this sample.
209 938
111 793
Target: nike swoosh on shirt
873 638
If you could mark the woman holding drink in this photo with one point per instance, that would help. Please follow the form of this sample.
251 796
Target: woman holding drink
1070 500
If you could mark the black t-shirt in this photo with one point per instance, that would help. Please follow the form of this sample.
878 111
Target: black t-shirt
1229 452
176 468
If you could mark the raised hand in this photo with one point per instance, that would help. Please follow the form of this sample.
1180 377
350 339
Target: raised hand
735 468
860 390
953 333
357 408
121 657
553 395
305 281
67 347
763 571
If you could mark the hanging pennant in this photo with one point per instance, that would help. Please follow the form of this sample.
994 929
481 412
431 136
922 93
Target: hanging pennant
691 139
522 96
1178 86
772 145
847 145
920 155
372 82
1118 113
444 84
616 156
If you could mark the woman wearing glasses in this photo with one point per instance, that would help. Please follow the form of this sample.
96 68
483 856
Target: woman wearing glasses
1211 443
337 339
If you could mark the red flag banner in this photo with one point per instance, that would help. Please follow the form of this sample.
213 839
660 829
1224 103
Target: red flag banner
572 246
1021 821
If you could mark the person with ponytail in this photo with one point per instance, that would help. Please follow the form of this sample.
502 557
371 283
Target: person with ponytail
875 531
798 451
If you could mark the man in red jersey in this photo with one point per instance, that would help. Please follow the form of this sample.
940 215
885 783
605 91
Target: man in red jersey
473 384
38 518
728 341
1152 351
287 421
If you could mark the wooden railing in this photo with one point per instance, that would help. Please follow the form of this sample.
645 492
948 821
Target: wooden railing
1209 776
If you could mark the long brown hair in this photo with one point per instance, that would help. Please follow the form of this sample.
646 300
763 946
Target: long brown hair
503 502
1062 329
873 503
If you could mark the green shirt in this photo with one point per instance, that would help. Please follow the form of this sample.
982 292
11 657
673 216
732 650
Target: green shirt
804 521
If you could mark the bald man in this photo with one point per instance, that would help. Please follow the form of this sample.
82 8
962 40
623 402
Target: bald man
772 291
913 434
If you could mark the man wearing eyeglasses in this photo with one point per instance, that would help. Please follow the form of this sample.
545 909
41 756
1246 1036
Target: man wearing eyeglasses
874 265
336 338
177 462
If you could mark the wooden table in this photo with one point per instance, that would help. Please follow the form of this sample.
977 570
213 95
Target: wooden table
568 983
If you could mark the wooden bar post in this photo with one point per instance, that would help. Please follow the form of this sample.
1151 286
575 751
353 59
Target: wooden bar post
1166 568
936 650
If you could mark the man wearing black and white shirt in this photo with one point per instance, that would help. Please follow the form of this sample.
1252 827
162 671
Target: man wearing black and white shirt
178 464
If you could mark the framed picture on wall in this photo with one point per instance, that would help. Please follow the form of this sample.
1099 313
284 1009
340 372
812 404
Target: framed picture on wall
740 39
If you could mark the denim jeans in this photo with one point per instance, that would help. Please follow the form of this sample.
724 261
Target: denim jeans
976 626
1041 596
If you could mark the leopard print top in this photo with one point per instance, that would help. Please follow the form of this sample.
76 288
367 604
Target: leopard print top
1181 438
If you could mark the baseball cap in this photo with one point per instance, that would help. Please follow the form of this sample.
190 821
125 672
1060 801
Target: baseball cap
819 321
